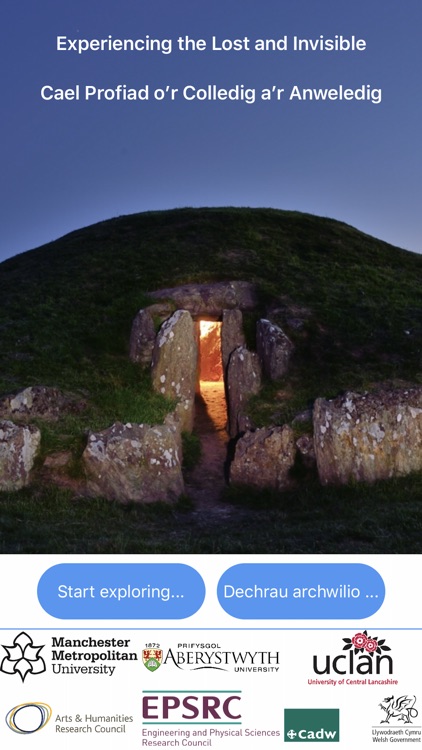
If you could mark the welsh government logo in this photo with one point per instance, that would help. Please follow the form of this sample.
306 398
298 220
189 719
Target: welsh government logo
152 658
28 718
401 709
23 657
364 643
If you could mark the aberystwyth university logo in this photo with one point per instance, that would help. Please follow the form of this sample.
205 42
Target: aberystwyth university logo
152 658
210 656
22 657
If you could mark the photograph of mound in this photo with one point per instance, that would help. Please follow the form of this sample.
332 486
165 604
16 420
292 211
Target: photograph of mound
219 380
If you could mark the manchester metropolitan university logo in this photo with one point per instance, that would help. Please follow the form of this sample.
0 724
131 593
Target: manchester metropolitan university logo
23 657
152 658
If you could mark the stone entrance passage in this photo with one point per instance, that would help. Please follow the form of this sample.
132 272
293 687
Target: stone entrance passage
206 482
191 357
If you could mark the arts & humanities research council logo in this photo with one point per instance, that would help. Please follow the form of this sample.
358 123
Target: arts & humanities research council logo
311 725
28 718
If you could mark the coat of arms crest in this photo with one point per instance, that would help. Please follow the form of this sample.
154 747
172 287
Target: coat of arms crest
152 658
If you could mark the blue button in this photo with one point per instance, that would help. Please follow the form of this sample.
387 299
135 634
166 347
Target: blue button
300 591
121 591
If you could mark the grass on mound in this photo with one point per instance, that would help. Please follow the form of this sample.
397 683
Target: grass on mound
67 307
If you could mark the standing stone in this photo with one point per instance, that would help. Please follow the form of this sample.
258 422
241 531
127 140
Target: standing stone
19 446
243 381
142 338
135 462
263 458
232 335
366 437
175 364
274 349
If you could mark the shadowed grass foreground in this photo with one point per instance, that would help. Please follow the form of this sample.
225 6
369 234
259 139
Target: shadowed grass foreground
381 519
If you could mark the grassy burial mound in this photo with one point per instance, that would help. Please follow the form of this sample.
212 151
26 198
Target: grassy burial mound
351 305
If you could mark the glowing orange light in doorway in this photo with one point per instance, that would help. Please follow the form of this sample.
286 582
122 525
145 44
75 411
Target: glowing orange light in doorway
211 368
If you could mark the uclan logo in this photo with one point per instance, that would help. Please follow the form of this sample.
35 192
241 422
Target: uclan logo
365 656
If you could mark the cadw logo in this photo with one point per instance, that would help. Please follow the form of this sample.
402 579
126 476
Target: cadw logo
365 655
311 725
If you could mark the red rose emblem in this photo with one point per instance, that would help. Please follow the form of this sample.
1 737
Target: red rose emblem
371 645
360 640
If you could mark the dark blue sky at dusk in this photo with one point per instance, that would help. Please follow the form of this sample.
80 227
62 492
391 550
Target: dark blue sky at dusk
69 164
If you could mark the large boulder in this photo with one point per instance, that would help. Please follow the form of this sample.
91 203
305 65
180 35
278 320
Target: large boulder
371 436
264 458
132 462
41 402
274 349
19 445
243 380
209 300
232 335
175 364
142 338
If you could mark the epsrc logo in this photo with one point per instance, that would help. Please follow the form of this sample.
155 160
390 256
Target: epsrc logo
182 706
311 725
